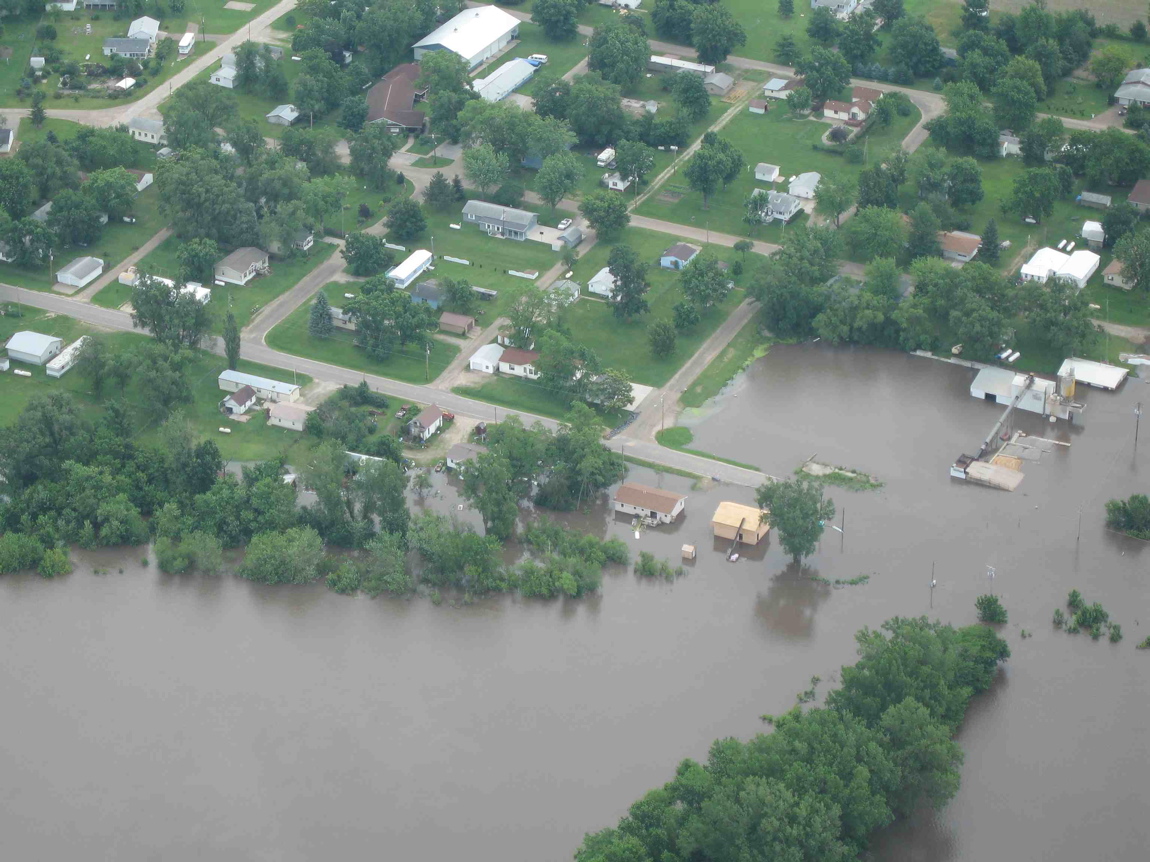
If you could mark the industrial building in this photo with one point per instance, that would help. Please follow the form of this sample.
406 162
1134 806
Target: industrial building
475 35
33 348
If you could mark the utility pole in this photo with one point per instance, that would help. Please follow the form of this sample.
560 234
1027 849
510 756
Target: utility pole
843 531
1137 422
990 576
427 362
933 583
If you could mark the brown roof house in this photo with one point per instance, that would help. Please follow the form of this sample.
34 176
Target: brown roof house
958 245
738 523
519 363
426 423
1140 196
239 402
678 255
1113 275
653 505
392 100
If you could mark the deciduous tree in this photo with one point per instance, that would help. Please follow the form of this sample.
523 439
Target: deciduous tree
606 212
405 220
619 52
484 166
630 282
796 508
558 177
232 341
715 33
557 18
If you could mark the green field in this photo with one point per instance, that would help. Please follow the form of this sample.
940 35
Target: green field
529 396
562 57
777 139
247 441
747 345
409 364
623 344
116 242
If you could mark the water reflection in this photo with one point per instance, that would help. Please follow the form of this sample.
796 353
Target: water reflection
793 596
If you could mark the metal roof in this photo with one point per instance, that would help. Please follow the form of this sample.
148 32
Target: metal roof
414 263
489 353
82 267
471 31
120 45
508 216
257 382
35 343
143 124
288 112
646 497
243 257
1094 373
504 80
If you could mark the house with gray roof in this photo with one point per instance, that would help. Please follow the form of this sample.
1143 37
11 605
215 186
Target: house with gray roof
148 131
242 265
133 49
500 221
718 83
1135 89
81 271
429 293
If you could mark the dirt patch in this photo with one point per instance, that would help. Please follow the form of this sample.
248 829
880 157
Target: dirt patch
669 197
1121 12
242 7
318 391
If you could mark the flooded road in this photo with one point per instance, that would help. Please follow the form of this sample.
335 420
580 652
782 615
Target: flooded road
149 716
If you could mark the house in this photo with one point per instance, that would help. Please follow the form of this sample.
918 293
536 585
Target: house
34 348
500 221
459 454
615 182
99 5
165 153
426 423
41 214
804 185
1093 233
133 49
766 173
66 358
566 290
519 363
144 28
1092 199
7 138
1139 196
429 293
781 88
457 324
265 388
718 83
392 100
1079 267
653 505
675 65
474 34
504 81
143 178
1135 89
62 6
629 5
486 358
841 8
197 291
6 253
958 245
341 319
242 265
1009 144
735 522
1113 276
302 240
780 206
678 255
290 416
1043 264
411 268
282 115
239 402
225 76
759 106
602 284
854 112
81 271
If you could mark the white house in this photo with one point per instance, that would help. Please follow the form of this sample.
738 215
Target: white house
459 454
242 265
240 401
197 291
841 8
133 49
1093 233
143 179
474 34
269 390
125 84
148 131
290 416
282 115
1009 144
766 173
674 65
1114 276
504 81
519 363
1043 264
1135 89
7 138
486 358
66 358
416 263
779 206
34 348
602 283
81 271
615 182
804 185
651 504
959 245
225 76
1078 268
144 28
426 423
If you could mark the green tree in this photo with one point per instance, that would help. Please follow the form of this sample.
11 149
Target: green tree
964 182
52 167
798 511
1109 66
859 41
557 18
385 567
460 297
232 341
447 79
1026 69
988 249
319 323
630 282
1058 315
405 220
662 337
914 46
928 760
715 162
800 102
175 319
1119 220
1044 136
834 196
922 239
17 188
889 10
112 191
484 166
370 151
715 33
439 195
38 115
876 232
289 557
366 254
197 259
990 609
353 113
594 111
685 315
787 49
558 177
704 282
826 73
634 160
690 96
786 8
487 485
1034 194
823 26
1015 104
74 218
619 52
606 212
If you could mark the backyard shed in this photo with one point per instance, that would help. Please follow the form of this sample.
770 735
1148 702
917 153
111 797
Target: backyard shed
282 115
766 173
602 283
735 522
1093 233
458 324
34 348
651 504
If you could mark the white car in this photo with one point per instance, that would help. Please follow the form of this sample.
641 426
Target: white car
563 225
541 59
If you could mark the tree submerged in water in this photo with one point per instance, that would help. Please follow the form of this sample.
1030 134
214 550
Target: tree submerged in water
990 609
799 512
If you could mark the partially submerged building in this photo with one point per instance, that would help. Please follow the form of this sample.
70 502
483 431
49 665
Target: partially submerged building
653 505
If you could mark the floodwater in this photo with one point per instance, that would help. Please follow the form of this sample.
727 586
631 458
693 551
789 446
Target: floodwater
149 716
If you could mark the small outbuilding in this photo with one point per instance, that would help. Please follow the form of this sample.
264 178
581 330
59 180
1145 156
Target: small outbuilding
456 324
33 348
486 358
1093 233
718 83
225 77
759 106
1093 199
7 137
735 522
459 454
804 185
290 416
426 423
429 293
653 505
602 284
282 115
616 182
1114 276
1139 196
766 173
959 245
80 272
239 402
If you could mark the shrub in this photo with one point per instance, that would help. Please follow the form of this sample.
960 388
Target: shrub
55 562
283 557
1115 633
990 609
19 552
1059 618
1074 601
345 580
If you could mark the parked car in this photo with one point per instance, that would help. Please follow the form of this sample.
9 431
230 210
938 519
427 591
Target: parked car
566 223
541 59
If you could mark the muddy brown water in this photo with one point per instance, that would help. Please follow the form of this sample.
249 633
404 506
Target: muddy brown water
149 716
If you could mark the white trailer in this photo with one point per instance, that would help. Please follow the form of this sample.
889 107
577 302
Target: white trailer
186 42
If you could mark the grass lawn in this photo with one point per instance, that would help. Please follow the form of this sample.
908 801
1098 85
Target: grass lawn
407 364
1042 359
1075 97
1127 307
623 344
116 242
248 441
113 295
562 57
255 107
778 139
245 300
530 397
748 345
377 201
432 162
681 438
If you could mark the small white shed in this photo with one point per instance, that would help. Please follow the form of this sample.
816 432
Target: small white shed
1093 233
766 173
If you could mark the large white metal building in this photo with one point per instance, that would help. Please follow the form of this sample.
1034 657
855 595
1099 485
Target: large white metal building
474 34
35 348
265 388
